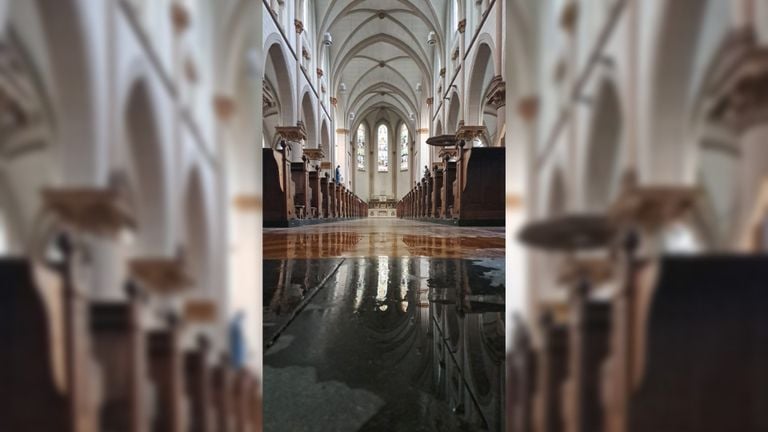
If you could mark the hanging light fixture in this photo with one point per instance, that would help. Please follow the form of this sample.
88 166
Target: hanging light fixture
327 39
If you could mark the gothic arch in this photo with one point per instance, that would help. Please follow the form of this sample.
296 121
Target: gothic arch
482 72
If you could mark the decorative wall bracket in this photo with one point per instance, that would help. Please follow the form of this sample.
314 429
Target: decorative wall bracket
97 211
161 275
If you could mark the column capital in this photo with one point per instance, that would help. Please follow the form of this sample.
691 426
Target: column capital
430 101
462 26
292 133
299 26
569 16
528 107
739 83
180 17
224 106
468 133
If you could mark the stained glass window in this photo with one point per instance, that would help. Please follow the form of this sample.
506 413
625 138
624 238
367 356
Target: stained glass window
383 159
361 148
403 148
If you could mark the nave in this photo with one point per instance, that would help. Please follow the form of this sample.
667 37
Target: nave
384 325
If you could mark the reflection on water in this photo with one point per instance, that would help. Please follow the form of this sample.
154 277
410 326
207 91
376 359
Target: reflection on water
423 335
346 242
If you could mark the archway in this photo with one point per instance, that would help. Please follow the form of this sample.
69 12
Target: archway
479 80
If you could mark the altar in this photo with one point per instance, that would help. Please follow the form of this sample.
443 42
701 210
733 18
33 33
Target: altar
382 206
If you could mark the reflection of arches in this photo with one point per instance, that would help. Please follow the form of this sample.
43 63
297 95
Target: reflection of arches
454 110
674 62
604 148
479 79
146 160
197 244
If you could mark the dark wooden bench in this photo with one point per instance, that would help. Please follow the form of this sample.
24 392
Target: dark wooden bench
697 341
303 193
119 345
166 370
479 188
278 190
45 375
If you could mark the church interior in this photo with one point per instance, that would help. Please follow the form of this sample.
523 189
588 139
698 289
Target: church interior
383 215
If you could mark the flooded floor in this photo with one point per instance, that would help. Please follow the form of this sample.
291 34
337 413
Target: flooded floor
384 325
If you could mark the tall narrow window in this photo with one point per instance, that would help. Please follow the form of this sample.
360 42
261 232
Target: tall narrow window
403 148
383 149
361 148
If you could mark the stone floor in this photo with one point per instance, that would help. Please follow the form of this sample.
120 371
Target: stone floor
383 325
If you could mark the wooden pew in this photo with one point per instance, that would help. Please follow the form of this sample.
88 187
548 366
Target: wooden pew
166 369
521 381
278 188
326 196
446 191
690 353
588 341
333 201
427 184
223 396
120 347
478 193
198 382
552 373
45 374
437 185
316 202
302 194
419 200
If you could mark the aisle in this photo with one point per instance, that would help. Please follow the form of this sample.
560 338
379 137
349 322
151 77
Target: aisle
370 340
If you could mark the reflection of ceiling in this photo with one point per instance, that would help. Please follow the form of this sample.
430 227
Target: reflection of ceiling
380 50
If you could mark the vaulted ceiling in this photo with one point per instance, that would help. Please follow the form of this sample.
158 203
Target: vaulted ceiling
380 51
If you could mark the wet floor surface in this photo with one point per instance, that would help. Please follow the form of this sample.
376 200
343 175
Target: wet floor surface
383 237
388 342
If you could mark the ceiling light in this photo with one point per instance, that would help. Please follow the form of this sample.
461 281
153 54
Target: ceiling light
418 87
327 39
432 38
342 88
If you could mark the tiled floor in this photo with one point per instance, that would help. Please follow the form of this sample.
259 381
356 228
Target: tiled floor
383 325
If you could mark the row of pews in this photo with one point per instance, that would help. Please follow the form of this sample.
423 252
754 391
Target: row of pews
68 363
297 193
679 344
466 188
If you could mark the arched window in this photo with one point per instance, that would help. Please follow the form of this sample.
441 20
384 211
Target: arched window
361 148
383 158
403 148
